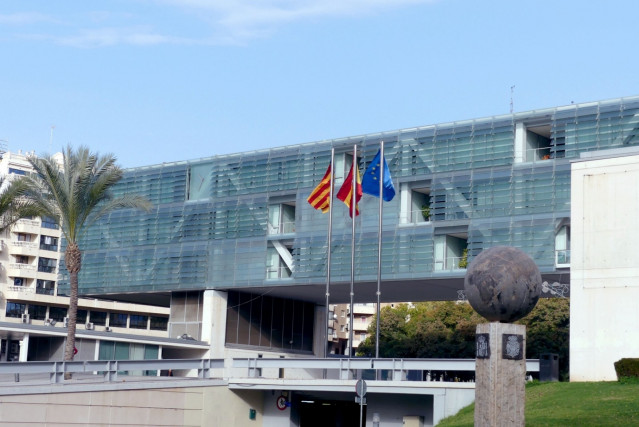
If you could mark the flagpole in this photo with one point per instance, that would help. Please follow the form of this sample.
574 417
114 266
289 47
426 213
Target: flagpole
328 259
379 245
353 214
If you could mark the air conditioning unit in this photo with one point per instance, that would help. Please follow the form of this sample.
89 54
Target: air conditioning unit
66 322
89 326
25 318
108 329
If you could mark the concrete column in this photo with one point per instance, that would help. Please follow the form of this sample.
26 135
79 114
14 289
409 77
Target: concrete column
500 375
214 322
24 348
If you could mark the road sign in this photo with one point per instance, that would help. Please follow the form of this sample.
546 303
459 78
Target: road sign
360 388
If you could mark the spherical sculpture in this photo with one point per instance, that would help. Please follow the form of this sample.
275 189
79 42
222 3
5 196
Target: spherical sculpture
502 284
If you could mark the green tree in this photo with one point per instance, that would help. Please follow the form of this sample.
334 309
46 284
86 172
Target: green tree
13 204
548 331
446 329
76 192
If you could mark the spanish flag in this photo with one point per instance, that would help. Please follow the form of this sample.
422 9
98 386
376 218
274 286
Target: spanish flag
320 197
345 194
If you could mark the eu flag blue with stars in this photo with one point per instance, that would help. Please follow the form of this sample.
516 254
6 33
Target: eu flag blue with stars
370 181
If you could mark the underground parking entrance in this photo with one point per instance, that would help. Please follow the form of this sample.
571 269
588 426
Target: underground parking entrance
318 410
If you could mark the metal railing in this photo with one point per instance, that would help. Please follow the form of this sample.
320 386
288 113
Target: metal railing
24 244
25 267
110 369
345 368
282 228
278 273
415 217
23 289
451 263
30 222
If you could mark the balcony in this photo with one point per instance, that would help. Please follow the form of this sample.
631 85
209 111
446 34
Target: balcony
359 309
21 270
30 226
417 216
278 273
451 264
20 247
21 289
282 228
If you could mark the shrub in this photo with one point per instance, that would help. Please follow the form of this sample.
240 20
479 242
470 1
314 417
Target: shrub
627 368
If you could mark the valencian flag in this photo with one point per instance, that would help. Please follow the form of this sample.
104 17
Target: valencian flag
320 197
345 194
370 181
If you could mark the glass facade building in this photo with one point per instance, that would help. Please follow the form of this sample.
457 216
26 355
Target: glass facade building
241 222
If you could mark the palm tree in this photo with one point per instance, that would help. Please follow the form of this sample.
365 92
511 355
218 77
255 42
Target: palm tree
13 204
76 191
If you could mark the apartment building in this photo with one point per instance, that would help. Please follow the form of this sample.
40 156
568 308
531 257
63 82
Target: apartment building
33 309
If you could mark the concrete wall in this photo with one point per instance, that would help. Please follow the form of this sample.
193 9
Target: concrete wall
604 270
193 406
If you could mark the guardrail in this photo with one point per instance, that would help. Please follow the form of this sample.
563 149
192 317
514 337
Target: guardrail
398 368
109 369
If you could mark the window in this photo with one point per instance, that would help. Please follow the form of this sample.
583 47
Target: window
159 323
138 321
281 218
14 309
341 328
343 164
269 322
450 252
81 316
98 318
57 313
49 243
562 247
37 312
45 287
47 265
279 261
117 320
343 313
199 182
536 141
19 281
17 171
22 259
48 222
23 237
362 336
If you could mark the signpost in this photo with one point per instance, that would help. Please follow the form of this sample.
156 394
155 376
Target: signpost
360 392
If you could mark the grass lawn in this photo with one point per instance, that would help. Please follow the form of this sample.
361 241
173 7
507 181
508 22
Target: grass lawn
572 404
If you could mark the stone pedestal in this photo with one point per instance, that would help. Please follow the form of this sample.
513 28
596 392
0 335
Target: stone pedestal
500 375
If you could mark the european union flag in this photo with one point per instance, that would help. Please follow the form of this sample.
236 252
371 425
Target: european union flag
370 181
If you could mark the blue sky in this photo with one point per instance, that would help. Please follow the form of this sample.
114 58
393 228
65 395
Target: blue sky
156 81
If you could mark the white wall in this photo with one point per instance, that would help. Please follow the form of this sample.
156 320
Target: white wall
604 270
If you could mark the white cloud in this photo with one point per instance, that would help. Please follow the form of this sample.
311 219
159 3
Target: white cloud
244 19
26 18
208 21
102 37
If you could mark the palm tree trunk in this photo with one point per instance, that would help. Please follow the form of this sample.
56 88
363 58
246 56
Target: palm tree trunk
72 313
73 261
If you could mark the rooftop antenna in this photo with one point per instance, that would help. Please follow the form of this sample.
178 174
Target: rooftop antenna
51 139
512 91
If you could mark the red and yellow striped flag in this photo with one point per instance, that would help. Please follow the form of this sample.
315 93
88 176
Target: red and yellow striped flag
320 197
345 194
